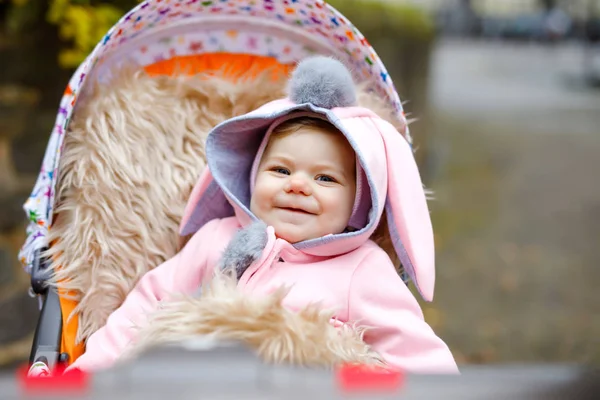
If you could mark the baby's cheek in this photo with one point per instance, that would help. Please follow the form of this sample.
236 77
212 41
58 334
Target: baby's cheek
341 203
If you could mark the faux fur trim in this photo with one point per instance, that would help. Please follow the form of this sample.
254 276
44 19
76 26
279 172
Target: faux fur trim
132 154
278 335
246 247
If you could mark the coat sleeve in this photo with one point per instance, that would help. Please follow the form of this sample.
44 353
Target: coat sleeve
381 301
182 274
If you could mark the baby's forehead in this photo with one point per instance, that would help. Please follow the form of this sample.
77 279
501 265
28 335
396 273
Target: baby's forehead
309 133
313 146
306 144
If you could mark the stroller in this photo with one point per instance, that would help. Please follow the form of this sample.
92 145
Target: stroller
194 63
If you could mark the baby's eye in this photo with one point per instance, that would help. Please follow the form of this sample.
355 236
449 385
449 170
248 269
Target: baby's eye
281 170
326 178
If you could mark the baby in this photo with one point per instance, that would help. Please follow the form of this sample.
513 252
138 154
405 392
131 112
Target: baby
292 196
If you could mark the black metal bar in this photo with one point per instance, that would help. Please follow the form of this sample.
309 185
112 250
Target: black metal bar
40 272
48 334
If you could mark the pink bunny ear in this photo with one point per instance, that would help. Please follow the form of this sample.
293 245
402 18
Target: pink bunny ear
407 212
199 189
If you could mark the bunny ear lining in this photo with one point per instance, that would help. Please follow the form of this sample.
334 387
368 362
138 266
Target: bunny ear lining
407 212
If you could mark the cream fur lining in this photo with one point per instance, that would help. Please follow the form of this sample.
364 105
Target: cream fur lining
223 314
132 154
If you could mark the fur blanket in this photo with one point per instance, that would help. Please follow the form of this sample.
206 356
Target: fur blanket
277 335
132 154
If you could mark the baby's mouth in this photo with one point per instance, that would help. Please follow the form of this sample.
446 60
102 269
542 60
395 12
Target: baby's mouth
296 210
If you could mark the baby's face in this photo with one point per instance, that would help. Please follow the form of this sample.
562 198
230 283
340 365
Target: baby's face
305 184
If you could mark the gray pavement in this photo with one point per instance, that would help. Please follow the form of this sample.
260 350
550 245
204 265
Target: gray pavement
515 158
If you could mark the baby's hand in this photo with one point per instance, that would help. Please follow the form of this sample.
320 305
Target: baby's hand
38 369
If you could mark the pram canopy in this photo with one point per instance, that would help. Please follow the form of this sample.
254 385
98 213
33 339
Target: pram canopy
155 30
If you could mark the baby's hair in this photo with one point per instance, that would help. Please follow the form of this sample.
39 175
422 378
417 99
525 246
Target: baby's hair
293 125
381 235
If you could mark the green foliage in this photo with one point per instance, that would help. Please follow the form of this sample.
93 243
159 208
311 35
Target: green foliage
21 15
379 18
81 23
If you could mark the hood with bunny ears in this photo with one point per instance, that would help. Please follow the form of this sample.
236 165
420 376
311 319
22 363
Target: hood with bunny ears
387 176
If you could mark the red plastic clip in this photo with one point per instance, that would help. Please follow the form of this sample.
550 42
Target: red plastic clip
72 382
362 378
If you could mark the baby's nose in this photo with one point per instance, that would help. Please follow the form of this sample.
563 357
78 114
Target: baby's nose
299 185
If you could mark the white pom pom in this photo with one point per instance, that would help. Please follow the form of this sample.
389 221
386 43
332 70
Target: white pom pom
323 82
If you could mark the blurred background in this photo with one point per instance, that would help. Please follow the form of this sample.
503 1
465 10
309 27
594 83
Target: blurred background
506 97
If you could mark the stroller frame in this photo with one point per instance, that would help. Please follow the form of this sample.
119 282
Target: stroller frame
46 343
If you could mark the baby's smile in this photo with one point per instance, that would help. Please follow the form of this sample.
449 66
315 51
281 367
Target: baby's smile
296 205
294 210
305 184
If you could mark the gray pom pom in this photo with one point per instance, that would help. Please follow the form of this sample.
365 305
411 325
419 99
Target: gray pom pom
323 82
244 248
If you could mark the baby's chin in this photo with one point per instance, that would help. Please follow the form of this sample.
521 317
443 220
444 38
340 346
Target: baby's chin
292 236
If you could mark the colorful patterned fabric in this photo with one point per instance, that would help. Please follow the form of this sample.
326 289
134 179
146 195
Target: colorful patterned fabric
156 30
